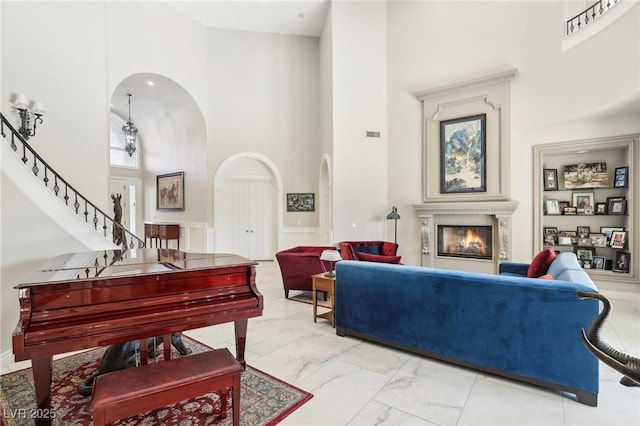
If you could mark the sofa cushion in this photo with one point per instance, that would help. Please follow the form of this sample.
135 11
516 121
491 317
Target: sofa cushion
367 249
541 263
577 276
563 261
378 258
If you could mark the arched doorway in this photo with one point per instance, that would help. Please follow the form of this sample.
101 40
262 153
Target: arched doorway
247 206
325 204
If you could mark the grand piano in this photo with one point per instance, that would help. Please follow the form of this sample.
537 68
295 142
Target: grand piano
84 300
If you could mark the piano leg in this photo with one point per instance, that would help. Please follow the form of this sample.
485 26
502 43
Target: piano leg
241 340
41 368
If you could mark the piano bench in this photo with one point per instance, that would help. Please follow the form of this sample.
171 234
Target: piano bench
124 393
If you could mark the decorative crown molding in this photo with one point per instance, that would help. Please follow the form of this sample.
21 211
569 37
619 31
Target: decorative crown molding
468 84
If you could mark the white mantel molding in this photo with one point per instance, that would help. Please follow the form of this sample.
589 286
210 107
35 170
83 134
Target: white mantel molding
491 208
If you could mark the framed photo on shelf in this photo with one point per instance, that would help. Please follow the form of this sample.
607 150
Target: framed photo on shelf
585 242
589 175
618 239
601 208
564 240
584 202
598 240
550 235
621 263
552 207
617 207
463 155
620 177
598 262
583 231
584 254
607 231
170 191
563 204
550 179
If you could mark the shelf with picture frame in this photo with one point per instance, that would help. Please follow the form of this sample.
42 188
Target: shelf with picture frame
589 183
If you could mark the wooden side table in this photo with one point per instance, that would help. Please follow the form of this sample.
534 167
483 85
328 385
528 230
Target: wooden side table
323 283
161 231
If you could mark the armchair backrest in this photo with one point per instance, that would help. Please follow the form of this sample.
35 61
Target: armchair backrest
350 249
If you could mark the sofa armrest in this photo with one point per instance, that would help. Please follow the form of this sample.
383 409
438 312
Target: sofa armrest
514 268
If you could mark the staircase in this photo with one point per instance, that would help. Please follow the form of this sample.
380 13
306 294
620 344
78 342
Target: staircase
84 209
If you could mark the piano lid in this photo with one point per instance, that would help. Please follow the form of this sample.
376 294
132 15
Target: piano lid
116 263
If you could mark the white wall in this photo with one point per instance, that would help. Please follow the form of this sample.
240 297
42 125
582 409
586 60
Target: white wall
264 92
359 80
55 52
556 96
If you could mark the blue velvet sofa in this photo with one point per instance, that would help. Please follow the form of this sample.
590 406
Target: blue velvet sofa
523 328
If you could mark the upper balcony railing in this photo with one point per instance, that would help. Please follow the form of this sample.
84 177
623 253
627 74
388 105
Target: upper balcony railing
61 189
588 15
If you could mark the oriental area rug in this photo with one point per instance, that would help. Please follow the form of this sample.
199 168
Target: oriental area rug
264 400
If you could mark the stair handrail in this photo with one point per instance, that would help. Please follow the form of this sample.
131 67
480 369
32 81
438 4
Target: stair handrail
119 232
599 6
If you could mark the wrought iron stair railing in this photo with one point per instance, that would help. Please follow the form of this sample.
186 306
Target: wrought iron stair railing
588 15
61 189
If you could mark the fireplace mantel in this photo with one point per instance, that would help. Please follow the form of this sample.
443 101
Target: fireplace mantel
499 212
491 208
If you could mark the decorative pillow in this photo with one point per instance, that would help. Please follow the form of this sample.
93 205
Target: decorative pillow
367 249
377 258
541 263
547 277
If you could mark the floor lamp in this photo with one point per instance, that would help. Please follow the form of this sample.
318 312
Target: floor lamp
395 216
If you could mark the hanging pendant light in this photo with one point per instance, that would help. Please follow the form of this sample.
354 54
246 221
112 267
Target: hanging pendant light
130 133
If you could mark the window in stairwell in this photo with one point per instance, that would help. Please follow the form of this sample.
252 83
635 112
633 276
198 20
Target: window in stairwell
119 157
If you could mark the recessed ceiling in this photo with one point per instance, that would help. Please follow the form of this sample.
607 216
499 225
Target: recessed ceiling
303 18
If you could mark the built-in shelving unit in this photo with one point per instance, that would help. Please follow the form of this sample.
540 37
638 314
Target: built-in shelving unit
615 152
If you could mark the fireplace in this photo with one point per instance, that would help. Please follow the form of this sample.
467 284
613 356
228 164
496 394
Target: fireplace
470 242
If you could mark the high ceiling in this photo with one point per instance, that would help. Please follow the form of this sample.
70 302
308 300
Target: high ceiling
303 18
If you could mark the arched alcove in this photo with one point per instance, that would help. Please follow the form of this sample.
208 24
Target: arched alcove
247 188
326 201
171 138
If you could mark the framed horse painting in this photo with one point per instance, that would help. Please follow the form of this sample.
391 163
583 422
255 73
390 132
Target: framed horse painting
170 191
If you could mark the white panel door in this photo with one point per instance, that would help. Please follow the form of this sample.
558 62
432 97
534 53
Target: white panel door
236 219
248 218
262 220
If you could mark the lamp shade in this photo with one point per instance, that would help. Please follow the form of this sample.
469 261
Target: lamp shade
330 255
21 101
394 214
38 107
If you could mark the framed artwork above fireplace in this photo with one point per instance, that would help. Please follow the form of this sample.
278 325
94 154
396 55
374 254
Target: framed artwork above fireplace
463 163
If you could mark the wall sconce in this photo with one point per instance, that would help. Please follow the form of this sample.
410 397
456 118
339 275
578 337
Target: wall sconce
130 133
331 256
27 114
394 216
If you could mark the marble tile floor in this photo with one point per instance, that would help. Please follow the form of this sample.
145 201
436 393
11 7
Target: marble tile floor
360 383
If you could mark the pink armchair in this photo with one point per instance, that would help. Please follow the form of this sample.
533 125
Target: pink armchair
297 264
371 251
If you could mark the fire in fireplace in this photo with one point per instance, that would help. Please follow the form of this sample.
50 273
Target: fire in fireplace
472 242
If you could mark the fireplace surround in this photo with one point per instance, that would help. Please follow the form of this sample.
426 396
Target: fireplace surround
494 215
